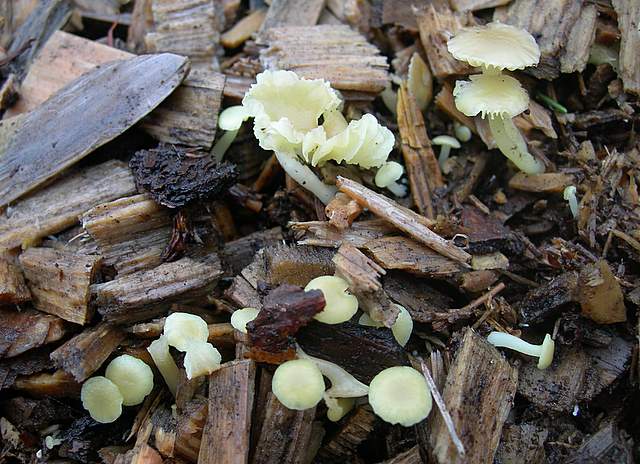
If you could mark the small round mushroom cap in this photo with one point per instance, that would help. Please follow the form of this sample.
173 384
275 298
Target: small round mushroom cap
340 306
446 140
546 352
400 395
181 328
298 384
232 118
102 398
495 45
241 317
401 328
388 174
496 95
132 376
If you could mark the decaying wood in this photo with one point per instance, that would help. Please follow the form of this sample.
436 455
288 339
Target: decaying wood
411 456
564 38
13 289
548 182
283 13
337 54
473 5
600 295
405 254
140 454
243 29
60 282
296 265
363 276
21 331
322 233
186 27
355 429
189 116
436 27
478 393
404 219
421 299
81 125
58 384
242 293
609 444
342 211
225 437
423 169
58 206
628 13
182 279
84 354
522 443
191 422
284 435
542 302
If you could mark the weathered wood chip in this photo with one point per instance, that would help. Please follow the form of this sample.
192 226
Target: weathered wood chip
322 233
58 384
243 29
628 13
292 13
84 115
23 330
355 429
549 182
13 289
600 295
296 265
542 302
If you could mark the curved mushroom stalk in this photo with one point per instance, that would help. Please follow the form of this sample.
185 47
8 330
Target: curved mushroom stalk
304 176
512 145
223 144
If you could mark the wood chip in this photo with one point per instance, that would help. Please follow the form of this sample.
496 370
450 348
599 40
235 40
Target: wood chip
546 300
354 430
58 384
342 211
239 253
58 206
60 282
243 29
80 125
21 331
296 265
292 13
600 295
418 296
474 5
404 219
321 233
13 289
84 354
549 182
190 425
522 443
628 13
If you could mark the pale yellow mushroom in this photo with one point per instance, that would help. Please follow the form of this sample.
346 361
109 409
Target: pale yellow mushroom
102 398
133 378
340 306
543 352
181 328
401 328
241 317
298 384
159 351
201 358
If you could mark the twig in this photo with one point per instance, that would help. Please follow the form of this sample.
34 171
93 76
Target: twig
442 407
467 310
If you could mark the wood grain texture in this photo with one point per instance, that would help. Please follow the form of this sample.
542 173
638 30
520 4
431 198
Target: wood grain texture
13 289
84 115
628 13
292 13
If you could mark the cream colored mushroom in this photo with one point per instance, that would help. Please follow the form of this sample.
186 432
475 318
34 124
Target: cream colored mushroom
230 121
159 351
387 177
132 376
298 384
401 328
102 398
446 143
340 306
543 352
241 317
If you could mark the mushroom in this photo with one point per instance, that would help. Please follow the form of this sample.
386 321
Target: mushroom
201 358
298 384
400 395
241 317
387 177
446 143
337 408
463 133
495 47
544 352
159 351
420 81
102 398
569 195
343 384
401 328
132 376
340 306
230 120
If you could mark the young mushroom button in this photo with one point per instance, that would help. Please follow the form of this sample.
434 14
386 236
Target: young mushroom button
340 306
132 376
230 121
446 143
241 317
298 384
102 398
544 352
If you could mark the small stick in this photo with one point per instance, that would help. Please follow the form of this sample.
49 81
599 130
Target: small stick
443 408
403 218
270 170
467 310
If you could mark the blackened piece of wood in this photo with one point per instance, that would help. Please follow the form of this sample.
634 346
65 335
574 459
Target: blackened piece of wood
354 430
28 363
89 112
57 384
190 115
411 456
84 354
421 299
191 422
546 300
239 253
522 443
487 234
284 435
285 310
628 13
243 294
292 13
361 350
13 289
363 276
610 444
296 265
225 437
60 282
478 394
147 291
58 206
37 414
27 329
175 177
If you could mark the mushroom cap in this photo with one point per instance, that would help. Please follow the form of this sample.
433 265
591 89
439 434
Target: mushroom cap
340 306
403 326
546 352
181 328
232 118
400 395
298 384
569 191
102 398
241 317
132 376
446 140
495 45
495 95
201 358
388 173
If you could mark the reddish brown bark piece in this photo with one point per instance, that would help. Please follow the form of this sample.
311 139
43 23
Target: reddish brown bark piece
13 289
600 295
342 211
285 310
27 329
58 384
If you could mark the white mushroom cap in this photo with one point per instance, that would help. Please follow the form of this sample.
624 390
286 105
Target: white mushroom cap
298 384
446 140
241 317
181 328
495 95
201 358
388 174
400 395
495 45
340 306
159 351
132 376
401 328
546 352
102 398
232 118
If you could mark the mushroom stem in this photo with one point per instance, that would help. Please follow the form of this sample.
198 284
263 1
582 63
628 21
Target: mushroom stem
512 145
305 177
569 194
223 144
397 189
543 352
444 155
